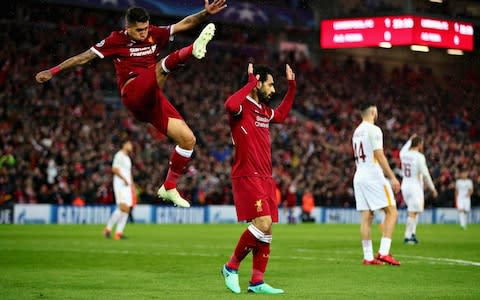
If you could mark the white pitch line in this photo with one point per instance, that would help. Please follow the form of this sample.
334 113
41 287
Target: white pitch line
442 260
433 260
329 251
446 260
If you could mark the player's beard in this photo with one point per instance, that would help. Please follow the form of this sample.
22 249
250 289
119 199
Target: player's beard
263 96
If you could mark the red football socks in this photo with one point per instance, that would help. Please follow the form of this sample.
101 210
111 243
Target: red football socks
245 244
178 57
261 254
178 164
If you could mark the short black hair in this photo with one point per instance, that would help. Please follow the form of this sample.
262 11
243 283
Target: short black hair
121 138
416 141
261 70
136 14
365 106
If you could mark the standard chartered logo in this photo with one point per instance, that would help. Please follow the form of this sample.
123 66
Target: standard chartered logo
262 122
143 51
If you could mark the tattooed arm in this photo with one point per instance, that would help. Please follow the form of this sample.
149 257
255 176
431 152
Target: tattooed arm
73 61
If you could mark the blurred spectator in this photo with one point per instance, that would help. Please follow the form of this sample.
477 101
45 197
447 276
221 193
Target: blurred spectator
308 204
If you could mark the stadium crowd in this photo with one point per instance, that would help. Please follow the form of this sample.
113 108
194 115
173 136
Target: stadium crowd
57 140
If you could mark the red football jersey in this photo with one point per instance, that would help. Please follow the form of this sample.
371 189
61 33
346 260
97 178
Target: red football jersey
131 57
250 126
251 137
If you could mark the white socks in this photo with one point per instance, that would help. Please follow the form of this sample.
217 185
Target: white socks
183 152
118 217
414 225
113 219
410 227
121 223
385 244
463 219
367 250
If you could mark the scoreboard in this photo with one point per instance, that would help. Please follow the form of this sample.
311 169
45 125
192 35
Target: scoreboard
396 31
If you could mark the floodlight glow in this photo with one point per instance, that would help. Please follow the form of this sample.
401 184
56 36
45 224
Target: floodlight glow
385 45
419 48
454 52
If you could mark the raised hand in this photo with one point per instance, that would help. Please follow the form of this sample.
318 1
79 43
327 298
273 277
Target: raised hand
43 76
215 7
250 71
289 72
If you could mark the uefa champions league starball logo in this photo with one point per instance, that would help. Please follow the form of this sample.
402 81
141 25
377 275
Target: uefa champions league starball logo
246 13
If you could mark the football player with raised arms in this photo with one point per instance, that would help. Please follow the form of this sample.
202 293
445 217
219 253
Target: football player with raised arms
253 186
141 75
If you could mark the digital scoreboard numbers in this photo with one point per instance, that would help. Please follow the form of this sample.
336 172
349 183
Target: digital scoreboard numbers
397 31
443 34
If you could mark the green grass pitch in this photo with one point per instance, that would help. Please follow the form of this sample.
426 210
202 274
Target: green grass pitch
184 261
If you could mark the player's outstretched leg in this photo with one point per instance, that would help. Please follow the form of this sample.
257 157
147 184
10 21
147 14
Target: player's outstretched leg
200 44
264 288
177 58
231 279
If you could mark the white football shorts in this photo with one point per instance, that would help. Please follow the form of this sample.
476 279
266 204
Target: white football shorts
414 197
123 194
463 204
373 194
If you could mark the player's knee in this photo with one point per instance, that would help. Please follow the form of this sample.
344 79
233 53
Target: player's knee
369 219
192 140
188 141
161 69
161 76
392 213
264 225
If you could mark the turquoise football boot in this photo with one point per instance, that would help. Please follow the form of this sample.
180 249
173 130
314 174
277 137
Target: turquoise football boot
264 288
231 279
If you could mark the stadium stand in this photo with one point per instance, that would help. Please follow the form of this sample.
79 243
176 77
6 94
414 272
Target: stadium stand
57 140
